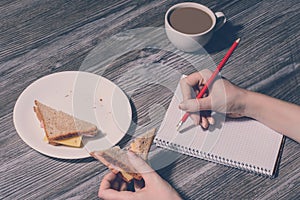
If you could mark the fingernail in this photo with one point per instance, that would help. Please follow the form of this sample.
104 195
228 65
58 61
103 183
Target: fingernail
204 125
211 120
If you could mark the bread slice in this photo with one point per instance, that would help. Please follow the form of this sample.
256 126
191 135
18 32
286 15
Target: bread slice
59 125
117 161
141 145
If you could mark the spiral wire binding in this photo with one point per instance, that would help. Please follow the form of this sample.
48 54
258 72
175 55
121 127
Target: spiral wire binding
213 158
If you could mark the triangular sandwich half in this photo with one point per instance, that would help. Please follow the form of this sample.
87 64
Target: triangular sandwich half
117 161
141 145
59 125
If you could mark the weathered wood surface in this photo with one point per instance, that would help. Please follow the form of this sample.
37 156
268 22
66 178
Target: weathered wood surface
43 37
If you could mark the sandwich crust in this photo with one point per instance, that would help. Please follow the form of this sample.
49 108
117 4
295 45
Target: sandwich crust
117 160
141 145
59 125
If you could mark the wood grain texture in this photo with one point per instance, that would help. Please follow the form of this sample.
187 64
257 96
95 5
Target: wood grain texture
38 38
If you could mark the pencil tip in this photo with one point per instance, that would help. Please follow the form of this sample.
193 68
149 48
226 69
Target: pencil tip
178 125
238 40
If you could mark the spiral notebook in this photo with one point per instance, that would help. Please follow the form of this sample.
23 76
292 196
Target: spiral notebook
241 143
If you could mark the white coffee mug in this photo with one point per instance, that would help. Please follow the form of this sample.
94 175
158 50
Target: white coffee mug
193 42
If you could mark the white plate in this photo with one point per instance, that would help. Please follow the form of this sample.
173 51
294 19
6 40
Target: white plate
86 96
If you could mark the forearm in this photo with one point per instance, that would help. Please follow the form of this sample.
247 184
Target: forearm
281 116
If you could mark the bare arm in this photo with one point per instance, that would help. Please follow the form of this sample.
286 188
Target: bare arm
227 98
279 115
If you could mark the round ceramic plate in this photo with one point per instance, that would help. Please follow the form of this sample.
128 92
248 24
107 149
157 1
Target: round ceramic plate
84 95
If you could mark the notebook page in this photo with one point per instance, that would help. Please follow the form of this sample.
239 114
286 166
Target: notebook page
243 141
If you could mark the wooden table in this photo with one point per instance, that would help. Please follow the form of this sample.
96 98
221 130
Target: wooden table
39 38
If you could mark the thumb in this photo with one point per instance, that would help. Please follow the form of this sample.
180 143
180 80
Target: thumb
195 105
141 167
111 194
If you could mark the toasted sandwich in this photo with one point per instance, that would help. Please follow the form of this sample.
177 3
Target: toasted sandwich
117 160
141 145
60 127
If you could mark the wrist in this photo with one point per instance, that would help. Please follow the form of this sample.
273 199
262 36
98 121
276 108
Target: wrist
240 105
252 104
245 103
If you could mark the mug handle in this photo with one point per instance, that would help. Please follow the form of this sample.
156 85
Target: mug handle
221 20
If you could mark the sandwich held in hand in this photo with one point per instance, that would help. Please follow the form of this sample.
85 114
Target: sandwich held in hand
117 160
141 145
62 128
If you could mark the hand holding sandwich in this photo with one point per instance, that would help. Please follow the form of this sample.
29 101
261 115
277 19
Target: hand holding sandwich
114 187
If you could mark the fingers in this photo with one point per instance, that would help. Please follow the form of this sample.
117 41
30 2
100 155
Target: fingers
195 105
142 167
204 122
110 187
123 186
201 119
139 184
189 104
186 89
107 181
113 181
198 78
210 120
196 118
190 83
194 82
111 194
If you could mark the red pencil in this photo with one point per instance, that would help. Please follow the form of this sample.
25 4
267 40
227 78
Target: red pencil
210 80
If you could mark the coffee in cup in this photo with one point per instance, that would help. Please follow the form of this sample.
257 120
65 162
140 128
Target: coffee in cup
189 26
